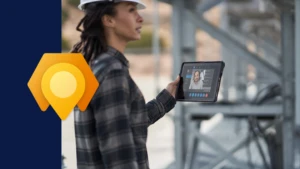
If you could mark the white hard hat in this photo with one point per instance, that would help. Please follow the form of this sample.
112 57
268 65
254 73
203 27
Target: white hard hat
140 5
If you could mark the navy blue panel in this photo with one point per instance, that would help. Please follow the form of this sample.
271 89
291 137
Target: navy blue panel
30 138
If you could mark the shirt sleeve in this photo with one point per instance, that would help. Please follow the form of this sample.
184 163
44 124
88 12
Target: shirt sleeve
158 107
114 134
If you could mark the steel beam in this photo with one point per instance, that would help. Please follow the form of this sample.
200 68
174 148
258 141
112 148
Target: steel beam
229 77
235 110
242 70
297 62
273 51
184 46
207 5
288 88
177 17
188 54
232 44
155 44
189 39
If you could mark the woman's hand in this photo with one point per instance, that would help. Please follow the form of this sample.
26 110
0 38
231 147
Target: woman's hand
171 88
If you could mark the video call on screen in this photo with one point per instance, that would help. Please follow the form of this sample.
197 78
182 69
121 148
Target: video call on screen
197 79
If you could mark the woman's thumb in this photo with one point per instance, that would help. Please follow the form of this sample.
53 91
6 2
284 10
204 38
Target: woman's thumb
177 79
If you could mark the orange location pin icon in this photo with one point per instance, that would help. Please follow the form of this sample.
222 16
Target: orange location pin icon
63 85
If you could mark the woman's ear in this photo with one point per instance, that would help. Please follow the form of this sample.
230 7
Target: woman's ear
108 21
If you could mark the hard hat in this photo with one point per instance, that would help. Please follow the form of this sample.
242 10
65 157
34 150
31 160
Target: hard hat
140 5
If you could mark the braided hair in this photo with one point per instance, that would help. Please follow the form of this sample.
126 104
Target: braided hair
92 39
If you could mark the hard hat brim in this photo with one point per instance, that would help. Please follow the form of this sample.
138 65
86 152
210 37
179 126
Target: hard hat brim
140 5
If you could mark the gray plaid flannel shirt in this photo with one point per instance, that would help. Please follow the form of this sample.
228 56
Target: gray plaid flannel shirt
112 132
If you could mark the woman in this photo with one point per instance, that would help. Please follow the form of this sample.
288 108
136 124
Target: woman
112 132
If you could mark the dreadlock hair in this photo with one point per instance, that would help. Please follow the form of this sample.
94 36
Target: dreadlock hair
92 39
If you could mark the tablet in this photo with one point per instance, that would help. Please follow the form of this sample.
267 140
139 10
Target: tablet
199 81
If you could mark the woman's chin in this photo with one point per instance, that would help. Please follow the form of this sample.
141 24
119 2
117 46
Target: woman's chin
134 38
138 37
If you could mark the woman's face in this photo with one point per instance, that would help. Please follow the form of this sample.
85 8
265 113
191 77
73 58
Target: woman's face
128 22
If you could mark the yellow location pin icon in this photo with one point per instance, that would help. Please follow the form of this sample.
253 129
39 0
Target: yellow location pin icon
63 85
63 80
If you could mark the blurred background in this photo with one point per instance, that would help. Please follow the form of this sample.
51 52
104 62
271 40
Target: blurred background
255 122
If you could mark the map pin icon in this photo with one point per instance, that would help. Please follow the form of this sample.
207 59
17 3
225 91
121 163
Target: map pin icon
63 85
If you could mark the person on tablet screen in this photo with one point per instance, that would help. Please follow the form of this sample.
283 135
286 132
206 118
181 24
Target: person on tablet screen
197 80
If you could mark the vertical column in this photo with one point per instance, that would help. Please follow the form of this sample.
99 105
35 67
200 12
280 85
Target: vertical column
241 67
184 46
229 76
155 44
177 36
189 54
189 32
297 62
297 67
288 89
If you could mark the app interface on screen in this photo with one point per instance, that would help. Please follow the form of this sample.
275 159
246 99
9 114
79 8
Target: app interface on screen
197 81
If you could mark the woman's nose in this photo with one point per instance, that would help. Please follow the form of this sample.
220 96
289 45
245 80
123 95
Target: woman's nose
140 18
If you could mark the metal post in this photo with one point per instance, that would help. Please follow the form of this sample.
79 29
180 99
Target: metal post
297 62
188 54
288 90
297 71
241 66
155 43
189 40
229 77
177 53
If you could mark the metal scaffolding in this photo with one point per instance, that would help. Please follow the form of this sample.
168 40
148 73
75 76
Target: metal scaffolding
279 63
297 61
288 92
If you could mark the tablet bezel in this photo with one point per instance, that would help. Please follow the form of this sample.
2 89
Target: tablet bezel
217 77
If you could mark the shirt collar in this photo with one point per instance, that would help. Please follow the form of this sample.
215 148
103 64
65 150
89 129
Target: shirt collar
114 52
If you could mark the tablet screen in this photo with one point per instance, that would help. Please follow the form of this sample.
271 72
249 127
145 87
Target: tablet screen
199 81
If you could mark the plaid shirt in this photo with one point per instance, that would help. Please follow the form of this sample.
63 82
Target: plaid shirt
112 132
